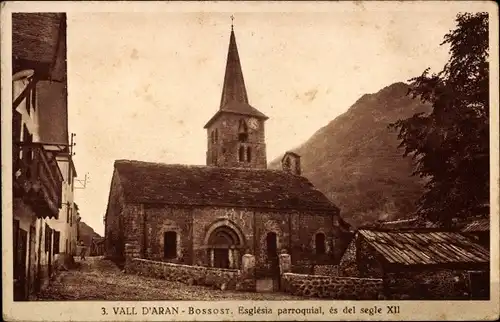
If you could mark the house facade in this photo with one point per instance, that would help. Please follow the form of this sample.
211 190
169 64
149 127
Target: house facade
212 215
39 138
65 225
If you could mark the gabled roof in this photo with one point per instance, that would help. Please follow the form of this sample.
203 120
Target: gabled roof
146 182
425 247
234 98
239 109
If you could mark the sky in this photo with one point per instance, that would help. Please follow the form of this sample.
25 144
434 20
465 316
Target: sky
141 86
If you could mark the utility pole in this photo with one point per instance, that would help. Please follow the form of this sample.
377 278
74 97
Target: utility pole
70 159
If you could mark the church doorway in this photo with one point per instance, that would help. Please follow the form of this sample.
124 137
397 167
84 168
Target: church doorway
221 258
224 248
273 259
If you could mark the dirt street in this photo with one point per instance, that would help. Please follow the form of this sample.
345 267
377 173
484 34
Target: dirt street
100 279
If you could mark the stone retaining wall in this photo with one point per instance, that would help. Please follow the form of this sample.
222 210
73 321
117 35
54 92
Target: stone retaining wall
192 275
327 270
331 287
428 285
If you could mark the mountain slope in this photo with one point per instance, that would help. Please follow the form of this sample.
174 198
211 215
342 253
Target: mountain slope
356 162
87 233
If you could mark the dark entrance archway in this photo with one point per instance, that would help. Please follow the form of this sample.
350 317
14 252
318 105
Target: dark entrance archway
224 247
272 252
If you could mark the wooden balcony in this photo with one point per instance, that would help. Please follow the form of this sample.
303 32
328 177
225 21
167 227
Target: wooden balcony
37 178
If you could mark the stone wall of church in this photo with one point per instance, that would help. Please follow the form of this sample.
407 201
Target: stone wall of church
266 223
159 220
225 149
145 226
305 227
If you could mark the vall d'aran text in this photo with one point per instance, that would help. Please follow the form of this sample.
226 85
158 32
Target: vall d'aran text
253 310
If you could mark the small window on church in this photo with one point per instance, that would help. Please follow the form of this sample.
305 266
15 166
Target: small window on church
212 137
241 154
320 243
249 154
170 244
216 135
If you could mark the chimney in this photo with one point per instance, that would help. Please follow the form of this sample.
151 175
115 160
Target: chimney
291 163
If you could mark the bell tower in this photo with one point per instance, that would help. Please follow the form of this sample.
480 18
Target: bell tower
236 136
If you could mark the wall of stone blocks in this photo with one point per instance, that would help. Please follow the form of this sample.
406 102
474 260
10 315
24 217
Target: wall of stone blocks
266 223
227 145
159 219
360 260
348 265
326 270
145 224
438 284
191 275
114 243
331 287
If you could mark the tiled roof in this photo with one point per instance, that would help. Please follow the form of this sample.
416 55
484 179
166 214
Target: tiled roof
482 224
146 182
237 108
426 247
40 38
243 108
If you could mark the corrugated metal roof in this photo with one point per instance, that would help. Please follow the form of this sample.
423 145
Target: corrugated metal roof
413 222
427 248
478 225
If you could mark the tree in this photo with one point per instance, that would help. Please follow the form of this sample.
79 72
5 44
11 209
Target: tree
450 145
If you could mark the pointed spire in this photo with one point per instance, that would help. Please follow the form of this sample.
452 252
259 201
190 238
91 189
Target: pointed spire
234 84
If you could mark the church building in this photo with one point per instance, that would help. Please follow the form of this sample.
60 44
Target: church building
212 215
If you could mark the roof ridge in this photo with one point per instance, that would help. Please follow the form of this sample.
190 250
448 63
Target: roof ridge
201 166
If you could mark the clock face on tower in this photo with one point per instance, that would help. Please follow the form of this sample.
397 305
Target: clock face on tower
253 123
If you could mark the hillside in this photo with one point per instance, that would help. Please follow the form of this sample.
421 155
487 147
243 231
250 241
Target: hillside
87 233
356 162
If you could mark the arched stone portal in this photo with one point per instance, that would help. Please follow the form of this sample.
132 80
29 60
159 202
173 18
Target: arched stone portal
225 245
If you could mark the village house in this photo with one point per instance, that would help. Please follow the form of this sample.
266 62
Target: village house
419 263
65 235
212 215
39 141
